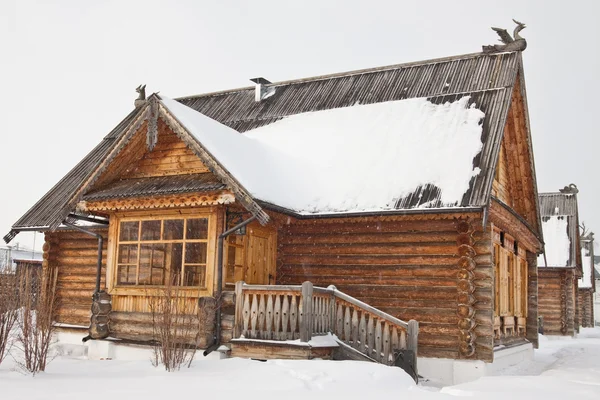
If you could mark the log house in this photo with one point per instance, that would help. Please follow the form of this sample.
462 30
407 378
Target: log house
165 186
560 265
587 283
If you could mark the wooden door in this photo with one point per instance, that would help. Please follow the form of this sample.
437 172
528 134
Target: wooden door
260 256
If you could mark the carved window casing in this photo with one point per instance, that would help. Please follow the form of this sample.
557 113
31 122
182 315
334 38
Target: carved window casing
160 250
510 267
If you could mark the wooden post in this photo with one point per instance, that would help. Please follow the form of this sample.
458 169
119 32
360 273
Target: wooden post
413 336
307 311
332 309
239 309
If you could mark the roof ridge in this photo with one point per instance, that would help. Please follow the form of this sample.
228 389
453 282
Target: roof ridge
348 73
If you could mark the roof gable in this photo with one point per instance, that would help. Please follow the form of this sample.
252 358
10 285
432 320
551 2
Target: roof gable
515 180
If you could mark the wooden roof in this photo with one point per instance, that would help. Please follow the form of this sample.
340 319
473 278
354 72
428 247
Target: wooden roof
162 185
488 78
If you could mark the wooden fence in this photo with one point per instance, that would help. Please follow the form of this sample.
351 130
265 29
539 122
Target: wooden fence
278 312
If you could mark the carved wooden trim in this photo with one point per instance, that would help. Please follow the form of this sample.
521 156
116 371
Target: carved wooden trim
144 203
465 288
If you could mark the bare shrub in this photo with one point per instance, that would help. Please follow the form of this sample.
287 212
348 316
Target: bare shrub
8 311
38 303
174 326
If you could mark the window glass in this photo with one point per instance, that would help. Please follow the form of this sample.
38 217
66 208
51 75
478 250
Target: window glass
128 231
128 254
194 275
173 229
197 228
195 253
151 230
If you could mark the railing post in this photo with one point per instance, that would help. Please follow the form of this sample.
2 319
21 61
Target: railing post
332 310
239 309
413 336
307 312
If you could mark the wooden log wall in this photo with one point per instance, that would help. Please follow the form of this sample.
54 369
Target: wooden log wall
436 270
586 307
556 300
75 256
532 326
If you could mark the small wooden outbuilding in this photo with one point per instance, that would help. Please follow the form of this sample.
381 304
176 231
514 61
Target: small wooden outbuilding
587 283
560 265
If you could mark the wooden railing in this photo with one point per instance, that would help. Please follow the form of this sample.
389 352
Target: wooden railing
276 312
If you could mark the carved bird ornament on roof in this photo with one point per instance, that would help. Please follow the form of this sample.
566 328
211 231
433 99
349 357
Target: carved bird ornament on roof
517 43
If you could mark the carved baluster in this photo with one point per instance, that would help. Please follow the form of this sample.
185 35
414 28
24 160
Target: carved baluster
294 318
370 336
261 316
395 341
339 328
354 333
403 340
246 313
277 318
378 339
285 317
254 316
347 326
386 343
269 315
362 327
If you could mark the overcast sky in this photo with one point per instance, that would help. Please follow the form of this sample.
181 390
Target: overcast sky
68 70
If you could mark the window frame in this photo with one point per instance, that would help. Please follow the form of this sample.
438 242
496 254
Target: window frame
144 290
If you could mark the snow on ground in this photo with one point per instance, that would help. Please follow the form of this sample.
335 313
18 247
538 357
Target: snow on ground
563 368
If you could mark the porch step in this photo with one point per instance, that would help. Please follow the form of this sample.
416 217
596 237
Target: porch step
345 352
271 350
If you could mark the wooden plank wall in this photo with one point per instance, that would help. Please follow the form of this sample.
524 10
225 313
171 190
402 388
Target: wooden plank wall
437 271
75 256
556 300
501 187
170 156
586 307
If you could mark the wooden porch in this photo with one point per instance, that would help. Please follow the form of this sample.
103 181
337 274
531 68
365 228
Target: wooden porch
305 321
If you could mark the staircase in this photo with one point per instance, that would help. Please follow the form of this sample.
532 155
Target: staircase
304 322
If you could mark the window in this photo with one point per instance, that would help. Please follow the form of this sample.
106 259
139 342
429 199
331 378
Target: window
510 268
153 252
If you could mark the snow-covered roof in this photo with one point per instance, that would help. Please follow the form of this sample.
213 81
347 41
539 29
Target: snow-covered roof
360 158
560 228
587 268
557 242
587 261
